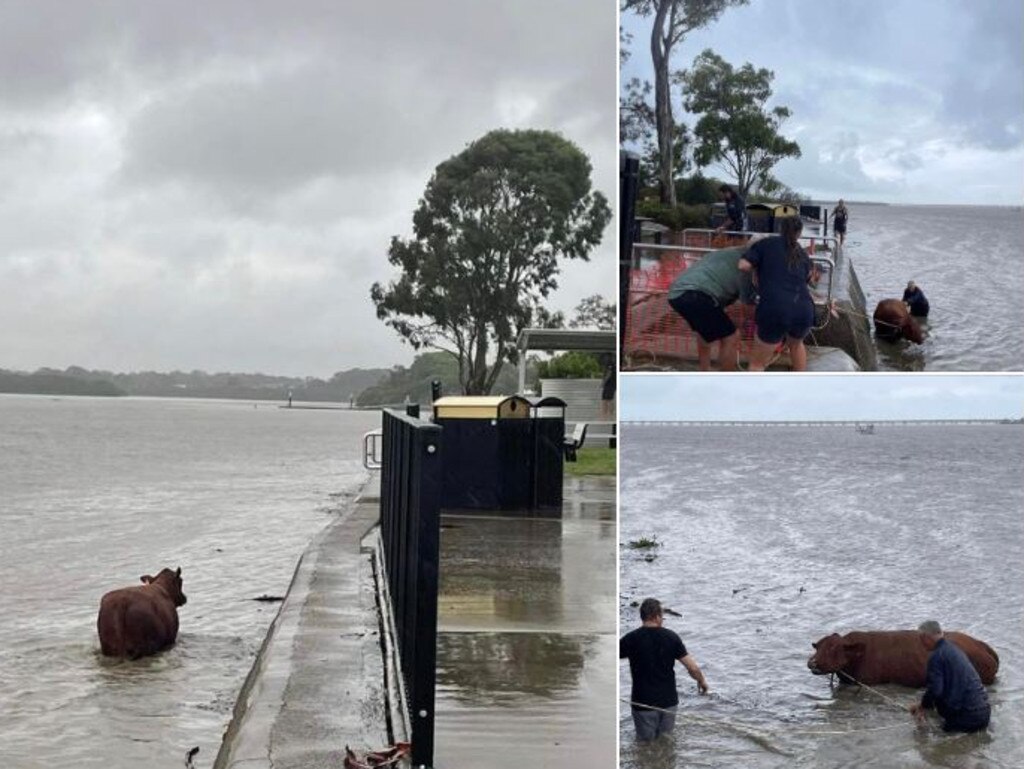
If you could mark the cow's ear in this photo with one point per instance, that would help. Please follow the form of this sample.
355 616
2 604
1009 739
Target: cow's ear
814 644
146 579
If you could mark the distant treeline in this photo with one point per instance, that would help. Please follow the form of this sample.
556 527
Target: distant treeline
343 387
48 382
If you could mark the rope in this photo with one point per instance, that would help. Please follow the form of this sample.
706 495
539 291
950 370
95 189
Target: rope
763 737
867 317
892 701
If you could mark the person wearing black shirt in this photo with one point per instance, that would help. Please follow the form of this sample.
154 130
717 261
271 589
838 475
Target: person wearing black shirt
735 210
652 651
839 217
954 687
914 298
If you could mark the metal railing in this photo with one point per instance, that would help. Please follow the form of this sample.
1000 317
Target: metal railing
372 448
410 517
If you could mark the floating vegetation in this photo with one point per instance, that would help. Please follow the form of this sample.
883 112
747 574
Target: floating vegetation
644 543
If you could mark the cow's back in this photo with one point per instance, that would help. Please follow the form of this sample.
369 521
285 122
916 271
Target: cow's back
982 656
899 657
136 621
890 656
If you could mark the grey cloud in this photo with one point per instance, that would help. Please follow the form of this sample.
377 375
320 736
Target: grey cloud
215 184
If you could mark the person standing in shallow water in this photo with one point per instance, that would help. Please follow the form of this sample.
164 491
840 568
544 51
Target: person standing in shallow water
652 651
954 687
915 299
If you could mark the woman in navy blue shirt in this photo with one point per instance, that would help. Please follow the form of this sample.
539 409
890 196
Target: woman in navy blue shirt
785 310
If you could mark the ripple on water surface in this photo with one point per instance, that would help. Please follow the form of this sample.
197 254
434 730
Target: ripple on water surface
97 492
877 532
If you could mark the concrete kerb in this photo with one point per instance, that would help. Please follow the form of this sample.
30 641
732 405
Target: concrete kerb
320 679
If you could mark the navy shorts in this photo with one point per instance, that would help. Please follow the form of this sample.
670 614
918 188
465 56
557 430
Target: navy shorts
774 323
704 314
840 226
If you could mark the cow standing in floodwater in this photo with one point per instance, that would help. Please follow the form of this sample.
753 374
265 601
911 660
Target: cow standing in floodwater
136 621
893 322
893 657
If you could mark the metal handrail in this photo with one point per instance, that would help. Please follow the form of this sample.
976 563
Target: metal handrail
372 449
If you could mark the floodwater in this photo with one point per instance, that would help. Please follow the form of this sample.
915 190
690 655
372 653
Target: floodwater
526 645
96 492
772 537
967 260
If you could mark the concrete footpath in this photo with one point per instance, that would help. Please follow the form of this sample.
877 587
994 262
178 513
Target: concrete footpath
318 681
526 645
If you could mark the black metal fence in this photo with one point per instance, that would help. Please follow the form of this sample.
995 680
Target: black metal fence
410 507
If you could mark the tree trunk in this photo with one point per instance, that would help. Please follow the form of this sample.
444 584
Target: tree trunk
660 53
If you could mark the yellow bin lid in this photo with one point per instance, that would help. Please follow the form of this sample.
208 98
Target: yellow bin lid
482 407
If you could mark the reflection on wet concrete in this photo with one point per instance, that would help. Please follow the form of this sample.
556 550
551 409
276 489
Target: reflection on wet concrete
526 649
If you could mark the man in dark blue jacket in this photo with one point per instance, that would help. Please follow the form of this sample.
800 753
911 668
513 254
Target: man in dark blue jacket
954 687
914 298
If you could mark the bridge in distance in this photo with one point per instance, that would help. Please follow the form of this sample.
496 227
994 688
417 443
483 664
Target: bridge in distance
819 423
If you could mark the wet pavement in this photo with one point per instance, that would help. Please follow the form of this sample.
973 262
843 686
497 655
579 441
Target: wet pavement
526 646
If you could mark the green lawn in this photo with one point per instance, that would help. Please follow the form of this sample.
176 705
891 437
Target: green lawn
592 461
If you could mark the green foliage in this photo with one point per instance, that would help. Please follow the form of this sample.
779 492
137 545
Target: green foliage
594 312
592 460
414 382
571 365
672 21
493 223
678 217
736 128
698 190
52 382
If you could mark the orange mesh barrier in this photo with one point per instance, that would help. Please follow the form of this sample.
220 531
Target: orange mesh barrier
655 333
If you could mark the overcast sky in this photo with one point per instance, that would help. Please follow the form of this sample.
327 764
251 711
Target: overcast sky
782 397
902 101
215 185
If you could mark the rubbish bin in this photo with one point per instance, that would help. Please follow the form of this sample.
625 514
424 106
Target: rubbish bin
548 452
767 217
489 450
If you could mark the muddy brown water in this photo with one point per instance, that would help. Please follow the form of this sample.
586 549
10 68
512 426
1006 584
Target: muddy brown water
96 492
770 538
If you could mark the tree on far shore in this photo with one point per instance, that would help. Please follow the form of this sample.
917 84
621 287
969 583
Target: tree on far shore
488 235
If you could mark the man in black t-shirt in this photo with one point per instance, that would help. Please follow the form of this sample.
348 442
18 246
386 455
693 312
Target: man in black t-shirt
652 651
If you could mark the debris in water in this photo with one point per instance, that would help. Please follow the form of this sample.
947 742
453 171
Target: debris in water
191 754
268 598
644 543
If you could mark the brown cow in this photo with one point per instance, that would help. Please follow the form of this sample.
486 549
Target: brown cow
141 620
893 322
892 656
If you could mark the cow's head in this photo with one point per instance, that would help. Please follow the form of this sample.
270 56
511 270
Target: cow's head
833 653
170 581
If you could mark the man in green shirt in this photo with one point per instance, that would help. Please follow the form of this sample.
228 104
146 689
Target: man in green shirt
701 293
